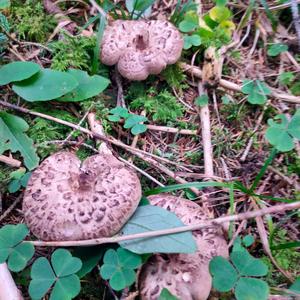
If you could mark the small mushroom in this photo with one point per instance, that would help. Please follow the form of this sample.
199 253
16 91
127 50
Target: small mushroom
67 200
186 276
140 48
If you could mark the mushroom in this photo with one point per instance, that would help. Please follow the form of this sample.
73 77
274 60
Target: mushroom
140 48
67 200
186 276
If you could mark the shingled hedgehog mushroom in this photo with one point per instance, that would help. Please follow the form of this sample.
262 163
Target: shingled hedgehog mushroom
69 200
140 48
186 276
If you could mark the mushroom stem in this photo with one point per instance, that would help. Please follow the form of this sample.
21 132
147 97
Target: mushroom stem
205 224
8 288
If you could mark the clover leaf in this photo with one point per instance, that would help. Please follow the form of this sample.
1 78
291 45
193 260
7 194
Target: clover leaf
256 90
12 250
117 113
201 100
119 267
238 274
133 122
191 40
166 295
281 135
60 275
276 49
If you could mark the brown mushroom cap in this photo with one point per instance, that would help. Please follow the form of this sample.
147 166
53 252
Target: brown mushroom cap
140 47
67 200
186 276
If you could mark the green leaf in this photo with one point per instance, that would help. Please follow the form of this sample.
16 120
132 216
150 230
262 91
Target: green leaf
120 112
25 178
295 88
133 120
19 256
166 295
187 26
139 8
248 240
16 253
138 128
257 91
220 14
66 288
12 137
45 85
294 125
119 268
247 265
64 263
191 40
17 71
42 277
4 4
88 86
14 186
202 100
221 3
251 289
295 287
286 78
223 273
276 49
67 284
150 218
4 22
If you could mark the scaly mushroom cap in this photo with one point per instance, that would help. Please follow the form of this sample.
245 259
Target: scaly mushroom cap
67 200
186 276
140 47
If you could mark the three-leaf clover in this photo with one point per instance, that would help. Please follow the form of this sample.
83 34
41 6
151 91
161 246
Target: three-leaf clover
201 100
276 49
239 274
119 267
281 135
118 113
12 248
191 40
60 273
19 179
256 90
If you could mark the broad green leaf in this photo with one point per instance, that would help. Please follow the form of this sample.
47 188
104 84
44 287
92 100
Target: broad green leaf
276 49
88 86
223 274
295 287
12 137
247 265
119 267
219 14
19 256
251 289
66 288
286 78
257 91
150 218
64 263
46 85
17 71
4 4
166 295
138 128
201 100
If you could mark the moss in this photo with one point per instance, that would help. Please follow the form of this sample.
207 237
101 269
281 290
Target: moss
30 21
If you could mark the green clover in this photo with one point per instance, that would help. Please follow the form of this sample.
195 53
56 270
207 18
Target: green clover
256 90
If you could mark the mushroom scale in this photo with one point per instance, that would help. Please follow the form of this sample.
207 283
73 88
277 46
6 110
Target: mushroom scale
67 200
186 276
140 48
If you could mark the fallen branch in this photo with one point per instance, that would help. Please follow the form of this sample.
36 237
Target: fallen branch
195 71
205 224
10 161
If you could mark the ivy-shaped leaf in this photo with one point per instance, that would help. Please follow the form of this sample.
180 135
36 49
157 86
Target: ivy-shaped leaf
61 275
13 138
239 274
12 250
281 135
256 90
276 49
119 268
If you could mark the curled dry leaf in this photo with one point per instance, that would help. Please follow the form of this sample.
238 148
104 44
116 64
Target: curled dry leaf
140 48
69 200
186 276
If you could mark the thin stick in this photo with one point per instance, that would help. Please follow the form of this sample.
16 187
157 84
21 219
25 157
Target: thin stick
172 130
195 71
99 8
205 224
10 161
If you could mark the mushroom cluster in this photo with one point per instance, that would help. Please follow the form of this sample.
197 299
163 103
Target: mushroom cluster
69 200
186 276
140 48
